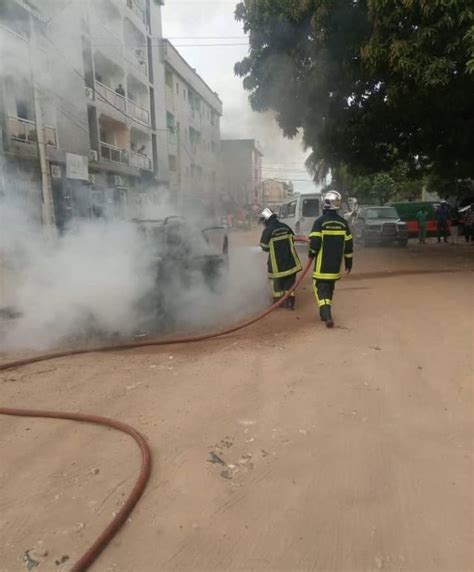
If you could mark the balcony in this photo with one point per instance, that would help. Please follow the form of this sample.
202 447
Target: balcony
125 157
140 161
138 112
122 103
137 10
137 60
25 131
114 154
111 96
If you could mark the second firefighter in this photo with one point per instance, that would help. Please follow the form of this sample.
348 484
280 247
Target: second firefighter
330 243
283 261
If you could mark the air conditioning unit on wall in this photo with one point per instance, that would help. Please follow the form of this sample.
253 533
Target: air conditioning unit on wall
93 156
89 93
56 171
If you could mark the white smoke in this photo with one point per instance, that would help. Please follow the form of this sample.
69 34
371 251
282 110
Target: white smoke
99 278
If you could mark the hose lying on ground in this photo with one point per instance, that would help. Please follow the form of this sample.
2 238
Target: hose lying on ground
120 518
93 552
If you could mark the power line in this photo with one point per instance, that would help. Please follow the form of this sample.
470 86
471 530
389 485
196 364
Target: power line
137 46
201 38
277 170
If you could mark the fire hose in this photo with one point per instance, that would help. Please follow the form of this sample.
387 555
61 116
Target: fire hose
93 552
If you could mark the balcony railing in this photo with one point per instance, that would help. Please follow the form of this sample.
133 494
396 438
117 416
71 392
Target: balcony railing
137 9
125 157
122 103
25 130
140 161
112 153
138 112
111 96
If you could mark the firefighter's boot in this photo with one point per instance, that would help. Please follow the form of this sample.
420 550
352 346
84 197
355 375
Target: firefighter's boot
290 303
325 313
329 320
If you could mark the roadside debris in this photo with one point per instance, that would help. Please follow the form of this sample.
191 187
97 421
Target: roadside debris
215 459
30 562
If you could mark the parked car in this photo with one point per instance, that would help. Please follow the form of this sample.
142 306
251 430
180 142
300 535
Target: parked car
379 225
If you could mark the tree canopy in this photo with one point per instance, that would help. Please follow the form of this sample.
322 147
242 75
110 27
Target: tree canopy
371 84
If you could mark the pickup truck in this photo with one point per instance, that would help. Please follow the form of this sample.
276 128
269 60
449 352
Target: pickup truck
379 225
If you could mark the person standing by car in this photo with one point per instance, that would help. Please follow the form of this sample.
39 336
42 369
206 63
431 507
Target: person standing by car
330 242
442 218
283 261
469 224
421 217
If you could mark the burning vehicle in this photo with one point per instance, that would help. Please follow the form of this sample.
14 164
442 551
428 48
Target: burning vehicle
184 256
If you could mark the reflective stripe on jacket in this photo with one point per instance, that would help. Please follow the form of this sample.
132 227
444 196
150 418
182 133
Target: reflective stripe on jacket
330 241
278 240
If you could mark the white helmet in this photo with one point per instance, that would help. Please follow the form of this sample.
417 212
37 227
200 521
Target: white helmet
267 214
332 201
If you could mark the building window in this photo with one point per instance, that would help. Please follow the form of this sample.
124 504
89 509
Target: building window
169 79
170 122
172 162
15 18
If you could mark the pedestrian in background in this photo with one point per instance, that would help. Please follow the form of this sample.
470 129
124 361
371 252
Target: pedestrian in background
442 218
469 225
421 217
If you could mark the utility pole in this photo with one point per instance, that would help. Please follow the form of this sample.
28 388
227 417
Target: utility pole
178 163
47 203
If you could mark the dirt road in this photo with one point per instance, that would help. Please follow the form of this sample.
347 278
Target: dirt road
338 450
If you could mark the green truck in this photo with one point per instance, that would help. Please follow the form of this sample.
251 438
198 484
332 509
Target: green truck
407 213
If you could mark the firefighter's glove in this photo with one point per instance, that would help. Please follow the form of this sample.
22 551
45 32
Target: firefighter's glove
348 264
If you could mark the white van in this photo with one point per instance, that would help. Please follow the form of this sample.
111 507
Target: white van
301 211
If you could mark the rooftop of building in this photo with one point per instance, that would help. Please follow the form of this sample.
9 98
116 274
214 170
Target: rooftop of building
243 143
189 74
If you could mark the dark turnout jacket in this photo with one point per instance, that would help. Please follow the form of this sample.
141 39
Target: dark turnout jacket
330 242
278 240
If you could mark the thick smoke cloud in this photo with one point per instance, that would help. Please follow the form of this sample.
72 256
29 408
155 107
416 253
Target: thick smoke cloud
100 278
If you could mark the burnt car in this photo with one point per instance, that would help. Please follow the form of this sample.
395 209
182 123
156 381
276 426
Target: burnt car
379 225
183 256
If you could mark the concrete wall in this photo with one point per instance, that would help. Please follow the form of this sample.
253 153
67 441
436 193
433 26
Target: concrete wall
198 162
241 164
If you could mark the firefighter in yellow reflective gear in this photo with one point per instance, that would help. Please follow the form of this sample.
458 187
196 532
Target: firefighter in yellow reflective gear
330 242
283 261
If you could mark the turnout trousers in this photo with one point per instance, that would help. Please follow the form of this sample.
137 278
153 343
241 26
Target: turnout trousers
280 286
323 292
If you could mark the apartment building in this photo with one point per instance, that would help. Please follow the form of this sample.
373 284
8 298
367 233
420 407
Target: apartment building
242 172
193 114
90 74
274 192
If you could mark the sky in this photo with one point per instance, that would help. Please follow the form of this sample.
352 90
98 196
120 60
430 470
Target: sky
195 23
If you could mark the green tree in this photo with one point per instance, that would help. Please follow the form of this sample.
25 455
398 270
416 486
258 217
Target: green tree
370 83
